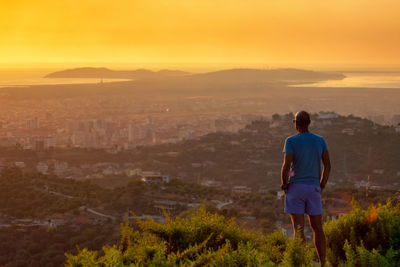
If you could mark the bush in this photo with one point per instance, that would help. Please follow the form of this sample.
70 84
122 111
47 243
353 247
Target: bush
365 237
361 238
84 258
297 254
204 239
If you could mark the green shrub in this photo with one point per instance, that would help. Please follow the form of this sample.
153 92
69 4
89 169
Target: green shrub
85 257
181 233
274 245
204 239
361 238
297 254
365 237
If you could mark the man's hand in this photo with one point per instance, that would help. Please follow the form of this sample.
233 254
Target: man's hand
326 170
322 188
287 162
285 187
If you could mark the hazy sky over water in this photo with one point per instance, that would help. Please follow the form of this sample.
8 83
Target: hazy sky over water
327 32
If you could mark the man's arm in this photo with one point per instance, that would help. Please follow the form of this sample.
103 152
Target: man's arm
327 169
287 162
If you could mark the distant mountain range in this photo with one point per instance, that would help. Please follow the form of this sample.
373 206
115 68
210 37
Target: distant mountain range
231 75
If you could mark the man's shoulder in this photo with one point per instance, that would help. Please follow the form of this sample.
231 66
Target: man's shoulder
321 141
302 137
292 137
317 136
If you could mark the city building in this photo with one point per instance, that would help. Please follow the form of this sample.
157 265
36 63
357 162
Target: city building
241 189
42 167
154 177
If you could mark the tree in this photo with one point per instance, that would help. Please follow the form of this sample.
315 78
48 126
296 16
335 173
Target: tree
13 173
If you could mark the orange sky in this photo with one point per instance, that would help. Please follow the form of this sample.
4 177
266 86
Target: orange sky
244 32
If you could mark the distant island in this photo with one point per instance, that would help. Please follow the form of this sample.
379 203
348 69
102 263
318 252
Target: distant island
90 72
289 75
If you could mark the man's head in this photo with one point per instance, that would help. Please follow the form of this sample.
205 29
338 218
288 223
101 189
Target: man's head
302 120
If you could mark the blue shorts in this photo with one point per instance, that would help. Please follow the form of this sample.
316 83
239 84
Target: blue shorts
303 199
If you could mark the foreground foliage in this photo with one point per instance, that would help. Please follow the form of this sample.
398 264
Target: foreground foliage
365 237
205 239
361 238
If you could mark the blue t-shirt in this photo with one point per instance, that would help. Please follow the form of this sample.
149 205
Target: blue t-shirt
307 150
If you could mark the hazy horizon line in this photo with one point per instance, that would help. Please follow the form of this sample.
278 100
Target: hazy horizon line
197 66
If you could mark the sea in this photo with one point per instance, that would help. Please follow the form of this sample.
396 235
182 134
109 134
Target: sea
361 79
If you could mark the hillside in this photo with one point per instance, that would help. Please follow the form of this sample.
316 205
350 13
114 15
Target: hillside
250 157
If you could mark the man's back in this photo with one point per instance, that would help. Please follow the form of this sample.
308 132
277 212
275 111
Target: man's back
302 165
307 149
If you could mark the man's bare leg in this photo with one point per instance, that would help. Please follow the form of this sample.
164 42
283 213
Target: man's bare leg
319 237
298 225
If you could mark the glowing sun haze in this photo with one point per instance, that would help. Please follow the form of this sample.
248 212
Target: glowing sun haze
183 31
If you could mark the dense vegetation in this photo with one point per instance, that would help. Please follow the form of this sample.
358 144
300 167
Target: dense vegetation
31 195
368 237
205 239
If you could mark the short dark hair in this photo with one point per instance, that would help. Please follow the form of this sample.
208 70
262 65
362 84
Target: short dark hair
302 118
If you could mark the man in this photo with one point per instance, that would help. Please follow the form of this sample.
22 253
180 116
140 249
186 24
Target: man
302 181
